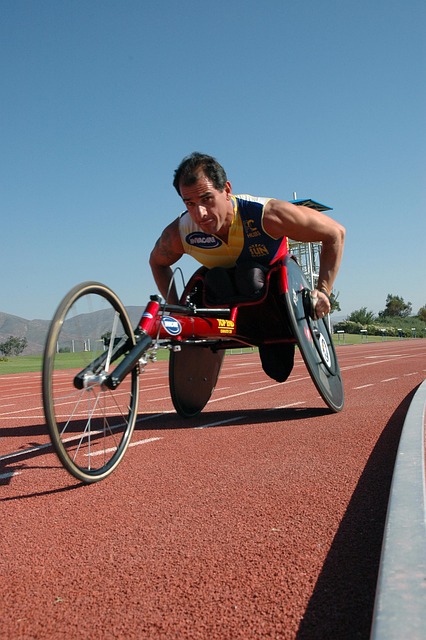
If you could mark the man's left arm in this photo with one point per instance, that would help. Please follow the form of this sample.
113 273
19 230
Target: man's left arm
304 224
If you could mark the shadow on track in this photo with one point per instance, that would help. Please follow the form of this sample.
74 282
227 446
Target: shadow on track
342 602
218 419
13 463
48 492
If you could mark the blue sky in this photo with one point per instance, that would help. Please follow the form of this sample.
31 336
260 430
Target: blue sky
102 99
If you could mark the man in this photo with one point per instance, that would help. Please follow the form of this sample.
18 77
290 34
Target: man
230 232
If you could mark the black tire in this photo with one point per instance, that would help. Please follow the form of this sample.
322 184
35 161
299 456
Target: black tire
193 373
314 339
90 426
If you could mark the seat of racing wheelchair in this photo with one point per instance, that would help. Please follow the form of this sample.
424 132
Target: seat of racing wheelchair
242 283
254 289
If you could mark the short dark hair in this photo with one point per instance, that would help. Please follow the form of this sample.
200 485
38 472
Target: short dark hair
188 172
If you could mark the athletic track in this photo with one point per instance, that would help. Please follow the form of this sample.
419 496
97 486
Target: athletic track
262 518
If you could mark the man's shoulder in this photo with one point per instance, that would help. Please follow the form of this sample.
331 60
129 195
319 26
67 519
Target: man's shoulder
248 205
245 197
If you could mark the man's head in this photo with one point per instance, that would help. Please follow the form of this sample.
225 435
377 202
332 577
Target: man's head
203 186
194 166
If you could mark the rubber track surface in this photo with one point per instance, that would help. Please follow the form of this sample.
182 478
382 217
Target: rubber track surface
262 518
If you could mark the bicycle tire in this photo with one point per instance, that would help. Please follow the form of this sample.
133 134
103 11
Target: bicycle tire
90 426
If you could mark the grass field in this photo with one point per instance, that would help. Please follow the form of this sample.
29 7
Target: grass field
25 364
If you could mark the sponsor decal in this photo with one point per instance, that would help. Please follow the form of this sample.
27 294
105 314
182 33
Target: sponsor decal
258 250
203 240
171 325
225 326
251 230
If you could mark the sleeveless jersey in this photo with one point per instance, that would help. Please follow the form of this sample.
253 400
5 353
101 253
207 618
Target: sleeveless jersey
247 239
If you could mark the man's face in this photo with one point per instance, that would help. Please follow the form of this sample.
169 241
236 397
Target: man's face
211 209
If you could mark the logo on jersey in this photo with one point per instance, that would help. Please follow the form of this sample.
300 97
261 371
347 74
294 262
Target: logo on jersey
258 250
203 240
171 325
250 228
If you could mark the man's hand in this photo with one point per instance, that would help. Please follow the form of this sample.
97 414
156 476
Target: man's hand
320 303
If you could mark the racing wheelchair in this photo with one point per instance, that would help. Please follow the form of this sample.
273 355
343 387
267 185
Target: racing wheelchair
91 405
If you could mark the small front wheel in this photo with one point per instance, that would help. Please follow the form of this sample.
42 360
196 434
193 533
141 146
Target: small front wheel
90 425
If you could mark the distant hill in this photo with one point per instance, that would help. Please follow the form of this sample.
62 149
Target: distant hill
35 331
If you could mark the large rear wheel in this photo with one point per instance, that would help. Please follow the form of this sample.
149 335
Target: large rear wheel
313 338
90 425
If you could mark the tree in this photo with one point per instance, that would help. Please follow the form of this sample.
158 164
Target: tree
422 313
335 306
13 346
362 316
396 307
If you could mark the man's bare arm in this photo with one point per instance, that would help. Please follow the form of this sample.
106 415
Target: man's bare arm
308 225
168 249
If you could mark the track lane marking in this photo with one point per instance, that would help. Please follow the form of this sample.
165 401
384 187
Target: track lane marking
269 386
9 474
215 424
377 361
111 449
40 447
219 422
290 404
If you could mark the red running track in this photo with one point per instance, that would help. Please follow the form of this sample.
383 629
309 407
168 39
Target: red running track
262 518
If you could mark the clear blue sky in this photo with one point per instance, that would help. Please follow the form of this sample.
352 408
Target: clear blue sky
100 100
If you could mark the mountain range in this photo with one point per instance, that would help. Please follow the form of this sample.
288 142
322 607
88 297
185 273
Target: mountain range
35 331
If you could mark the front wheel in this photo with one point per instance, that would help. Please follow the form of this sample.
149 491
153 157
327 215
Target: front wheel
90 425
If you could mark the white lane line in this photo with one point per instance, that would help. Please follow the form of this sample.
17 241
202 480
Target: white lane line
216 424
24 452
111 449
388 379
11 416
14 413
287 406
369 364
259 389
244 364
387 355
363 386
10 474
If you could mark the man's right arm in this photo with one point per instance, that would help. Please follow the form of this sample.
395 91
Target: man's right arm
168 249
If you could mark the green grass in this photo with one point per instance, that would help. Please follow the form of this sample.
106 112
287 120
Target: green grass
356 338
20 364
26 364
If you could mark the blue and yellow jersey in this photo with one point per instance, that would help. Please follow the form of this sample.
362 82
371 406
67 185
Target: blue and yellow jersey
247 239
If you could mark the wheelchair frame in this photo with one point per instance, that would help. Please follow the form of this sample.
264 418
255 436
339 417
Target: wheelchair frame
197 336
